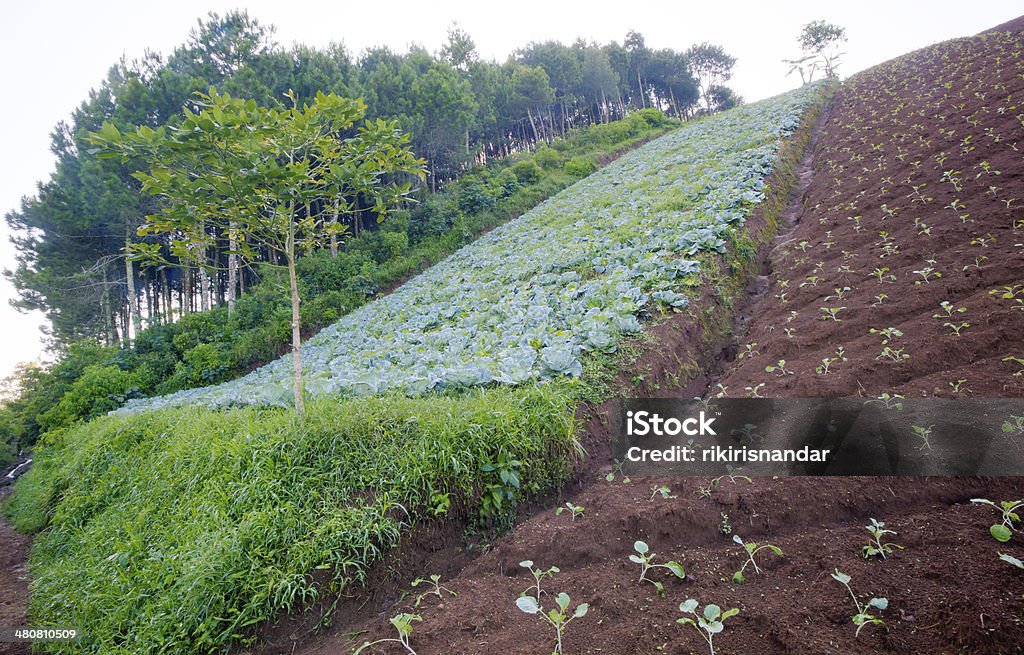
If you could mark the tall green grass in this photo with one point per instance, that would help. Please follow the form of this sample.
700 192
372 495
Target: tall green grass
177 531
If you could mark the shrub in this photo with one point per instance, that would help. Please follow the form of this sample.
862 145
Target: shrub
580 166
527 171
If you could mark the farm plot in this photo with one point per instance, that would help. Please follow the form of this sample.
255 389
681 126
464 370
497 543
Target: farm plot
570 276
904 274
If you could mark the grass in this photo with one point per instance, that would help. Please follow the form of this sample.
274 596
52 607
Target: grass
188 527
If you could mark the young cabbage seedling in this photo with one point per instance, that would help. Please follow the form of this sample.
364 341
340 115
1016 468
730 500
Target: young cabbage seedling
645 560
663 490
402 623
577 510
751 549
1002 532
558 619
875 546
862 617
435 582
538 575
709 622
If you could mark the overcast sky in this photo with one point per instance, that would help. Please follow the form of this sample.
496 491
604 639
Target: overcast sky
53 53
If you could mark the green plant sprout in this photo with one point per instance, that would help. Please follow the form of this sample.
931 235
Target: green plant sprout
754 391
433 580
957 386
927 273
948 309
1011 560
557 619
403 624
889 334
925 433
779 366
1003 531
894 354
882 274
831 313
709 622
725 527
1019 362
956 329
747 435
1015 425
617 469
645 559
663 490
576 510
879 299
749 350
751 550
876 546
862 618
538 575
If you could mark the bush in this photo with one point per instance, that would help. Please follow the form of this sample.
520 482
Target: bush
580 166
547 158
100 389
527 171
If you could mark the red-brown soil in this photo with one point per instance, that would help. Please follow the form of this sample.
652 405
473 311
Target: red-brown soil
884 132
13 581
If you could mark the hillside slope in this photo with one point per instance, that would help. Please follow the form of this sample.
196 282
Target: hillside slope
956 107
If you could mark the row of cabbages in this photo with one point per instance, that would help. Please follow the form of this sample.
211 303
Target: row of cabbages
572 275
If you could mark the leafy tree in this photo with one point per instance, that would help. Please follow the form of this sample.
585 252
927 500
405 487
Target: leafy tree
273 177
531 93
712 66
819 42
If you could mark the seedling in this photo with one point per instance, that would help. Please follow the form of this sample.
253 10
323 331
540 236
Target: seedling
948 309
403 623
709 622
893 401
831 313
751 550
1014 426
927 273
576 510
957 386
538 575
705 492
749 350
879 299
883 274
876 546
725 526
663 490
956 328
558 619
645 560
1011 560
889 334
754 391
862 617
779 366
435 582
747 435
894 354
925 433
1002 531
616 469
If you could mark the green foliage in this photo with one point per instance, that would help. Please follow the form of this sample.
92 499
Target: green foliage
863 616
580 166
645 559
559 618
527 171
218 519
709 622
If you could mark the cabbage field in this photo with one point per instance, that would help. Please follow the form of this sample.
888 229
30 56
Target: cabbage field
572 275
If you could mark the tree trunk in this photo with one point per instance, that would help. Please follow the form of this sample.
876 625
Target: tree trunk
133 297
334 237
533 125
106 307
293 281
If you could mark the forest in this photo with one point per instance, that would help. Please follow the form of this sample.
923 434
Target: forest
123 327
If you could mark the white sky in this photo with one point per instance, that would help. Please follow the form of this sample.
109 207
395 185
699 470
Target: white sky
53 53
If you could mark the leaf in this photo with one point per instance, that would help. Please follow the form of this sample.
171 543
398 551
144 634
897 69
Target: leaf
880 603
660 587
640 547
1012 560
737 539
528 604
581 610
1000 533
563 600
688 606
526 563
737 577
712 612
841 577
776 550
676 568
730 613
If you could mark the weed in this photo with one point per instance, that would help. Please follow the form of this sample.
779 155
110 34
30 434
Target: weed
724 526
